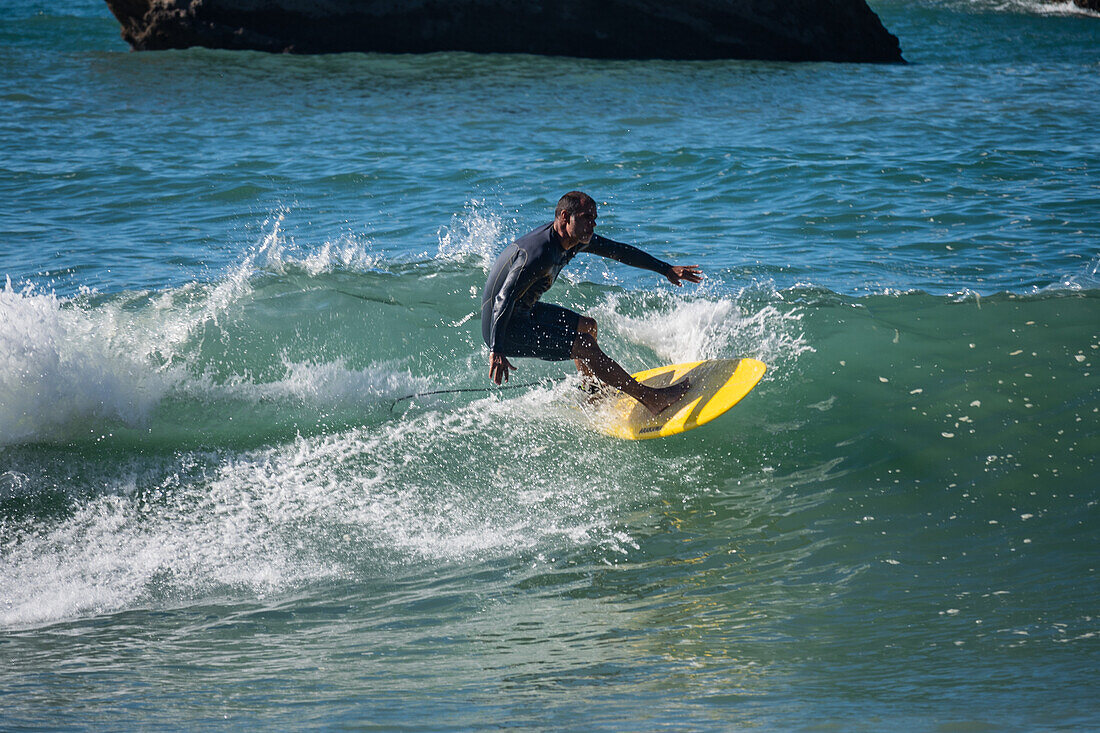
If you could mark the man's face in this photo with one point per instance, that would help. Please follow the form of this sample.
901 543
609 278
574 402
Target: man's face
581 225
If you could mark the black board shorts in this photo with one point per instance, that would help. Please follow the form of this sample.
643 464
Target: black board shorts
544 332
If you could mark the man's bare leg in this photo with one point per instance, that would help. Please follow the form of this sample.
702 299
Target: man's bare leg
588 326
606 370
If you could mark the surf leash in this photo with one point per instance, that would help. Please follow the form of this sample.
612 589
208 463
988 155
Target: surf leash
548 380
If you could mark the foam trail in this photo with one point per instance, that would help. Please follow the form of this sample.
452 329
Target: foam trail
116 551
321 384
322 507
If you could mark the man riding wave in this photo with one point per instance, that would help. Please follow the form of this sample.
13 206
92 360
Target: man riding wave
515 323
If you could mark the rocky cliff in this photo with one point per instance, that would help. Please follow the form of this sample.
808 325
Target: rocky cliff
789 30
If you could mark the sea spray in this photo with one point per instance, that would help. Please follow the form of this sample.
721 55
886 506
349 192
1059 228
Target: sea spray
61 373
476 234
679 327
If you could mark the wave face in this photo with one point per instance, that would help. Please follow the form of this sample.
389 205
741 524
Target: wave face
228 281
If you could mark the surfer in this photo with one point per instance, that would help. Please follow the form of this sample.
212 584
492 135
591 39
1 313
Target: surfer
514 323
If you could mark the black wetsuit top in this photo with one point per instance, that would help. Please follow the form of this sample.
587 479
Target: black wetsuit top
528 267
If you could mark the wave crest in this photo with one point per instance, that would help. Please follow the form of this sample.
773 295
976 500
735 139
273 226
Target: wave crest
64 374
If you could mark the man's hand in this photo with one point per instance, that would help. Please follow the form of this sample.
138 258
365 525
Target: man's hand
499 367
679 273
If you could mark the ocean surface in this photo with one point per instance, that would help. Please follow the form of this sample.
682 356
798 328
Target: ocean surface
220 272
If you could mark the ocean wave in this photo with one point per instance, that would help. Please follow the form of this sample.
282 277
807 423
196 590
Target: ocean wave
293 339
150 365
333 489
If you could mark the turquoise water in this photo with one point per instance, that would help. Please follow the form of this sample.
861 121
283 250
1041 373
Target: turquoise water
223 268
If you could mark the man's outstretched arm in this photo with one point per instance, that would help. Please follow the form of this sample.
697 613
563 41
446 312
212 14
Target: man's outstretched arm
631 255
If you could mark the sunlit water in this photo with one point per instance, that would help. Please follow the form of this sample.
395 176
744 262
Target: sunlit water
224 270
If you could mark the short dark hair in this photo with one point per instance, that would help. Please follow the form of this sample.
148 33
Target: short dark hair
573 203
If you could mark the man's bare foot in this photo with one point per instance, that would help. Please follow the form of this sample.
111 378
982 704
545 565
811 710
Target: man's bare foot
667 396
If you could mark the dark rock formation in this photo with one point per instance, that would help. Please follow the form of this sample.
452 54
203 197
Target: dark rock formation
788 30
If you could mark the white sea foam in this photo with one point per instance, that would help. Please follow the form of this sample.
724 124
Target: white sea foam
63 373
1043 7
70 370
314 508
1037 7
119 551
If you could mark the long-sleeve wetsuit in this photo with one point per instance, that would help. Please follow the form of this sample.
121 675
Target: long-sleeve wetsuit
528 267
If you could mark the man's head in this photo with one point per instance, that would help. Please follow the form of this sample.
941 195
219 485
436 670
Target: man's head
575 217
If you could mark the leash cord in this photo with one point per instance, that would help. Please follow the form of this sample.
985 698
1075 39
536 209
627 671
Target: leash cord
548 380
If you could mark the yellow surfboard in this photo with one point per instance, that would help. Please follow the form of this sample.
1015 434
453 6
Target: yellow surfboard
716 386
